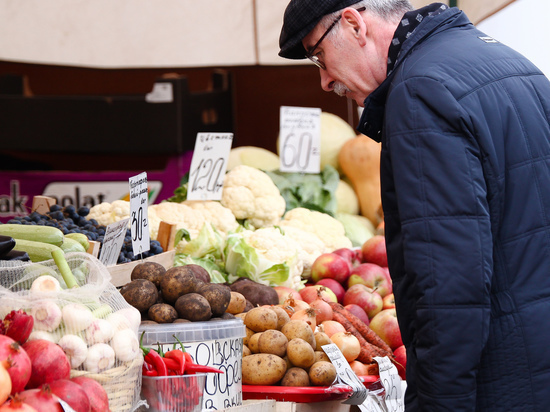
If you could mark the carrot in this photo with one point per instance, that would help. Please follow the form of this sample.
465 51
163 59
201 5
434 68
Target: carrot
368 352
368 334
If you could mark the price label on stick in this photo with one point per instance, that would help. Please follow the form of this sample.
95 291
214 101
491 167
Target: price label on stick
300 139
112 242
138 214
208 166
389 377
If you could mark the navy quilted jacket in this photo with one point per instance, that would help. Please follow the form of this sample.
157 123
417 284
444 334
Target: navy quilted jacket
464 123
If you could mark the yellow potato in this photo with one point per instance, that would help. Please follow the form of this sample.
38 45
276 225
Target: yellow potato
272 341
282 316
253 342
236 304
295 377
320 355
263 369
321 338
299 329
300 353
260 319
249 333
322 373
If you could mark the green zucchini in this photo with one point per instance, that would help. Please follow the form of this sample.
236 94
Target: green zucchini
36 233
70 245
80 238
37 251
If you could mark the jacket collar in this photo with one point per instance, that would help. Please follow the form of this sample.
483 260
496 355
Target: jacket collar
372 119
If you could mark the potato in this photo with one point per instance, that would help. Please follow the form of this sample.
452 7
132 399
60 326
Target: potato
140 293
151 271
321 356
199 272
282 316
273 341
253 342
178 281
299 329
249 333
193 307
322 373
236 304
260 319
246 351
295 377
262 369
300 353
217 295
162 313
321 338
255 292
241 316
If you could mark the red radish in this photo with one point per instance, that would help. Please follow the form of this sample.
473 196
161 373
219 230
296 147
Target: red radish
96 393
18 325
49 362
19 363
323 310
72 393
42 399
17 405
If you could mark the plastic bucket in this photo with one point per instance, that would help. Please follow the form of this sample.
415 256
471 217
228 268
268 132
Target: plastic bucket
174 393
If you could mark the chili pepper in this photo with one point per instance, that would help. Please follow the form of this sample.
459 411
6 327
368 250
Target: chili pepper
151 373
156 360
178 356
193 368
146 367
160 351
171 365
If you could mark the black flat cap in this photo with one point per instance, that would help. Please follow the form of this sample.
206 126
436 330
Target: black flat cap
301 16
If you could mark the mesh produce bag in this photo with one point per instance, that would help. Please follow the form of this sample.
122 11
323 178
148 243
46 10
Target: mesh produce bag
93 323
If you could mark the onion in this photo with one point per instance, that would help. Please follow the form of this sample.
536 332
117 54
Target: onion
72 393
41 399
99 399
359 368
348 344
308 315
330 327
323 309
5 382
15 404
48 361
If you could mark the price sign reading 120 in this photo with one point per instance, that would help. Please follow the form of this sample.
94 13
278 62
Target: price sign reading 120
208 166
138 214
300 139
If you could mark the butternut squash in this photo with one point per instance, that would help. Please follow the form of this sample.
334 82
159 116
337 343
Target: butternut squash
359 159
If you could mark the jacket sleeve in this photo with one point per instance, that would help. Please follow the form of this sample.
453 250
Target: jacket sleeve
444 278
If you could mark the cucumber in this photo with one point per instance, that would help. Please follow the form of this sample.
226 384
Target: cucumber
37 251
70 245
36 233
80 238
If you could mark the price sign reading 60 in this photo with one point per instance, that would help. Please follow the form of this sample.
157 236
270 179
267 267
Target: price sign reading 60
299 139
138 214
208 166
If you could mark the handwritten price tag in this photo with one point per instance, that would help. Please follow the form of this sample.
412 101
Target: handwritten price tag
346 375
300 139
138 214
112 242
389 377
208 166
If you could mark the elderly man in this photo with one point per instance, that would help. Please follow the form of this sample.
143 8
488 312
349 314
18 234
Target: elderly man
464 123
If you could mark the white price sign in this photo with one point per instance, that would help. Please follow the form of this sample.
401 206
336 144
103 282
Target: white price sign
138 214
208 166
113 241
346 375
389 377
300 139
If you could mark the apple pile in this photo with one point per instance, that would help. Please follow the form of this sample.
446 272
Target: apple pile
359 279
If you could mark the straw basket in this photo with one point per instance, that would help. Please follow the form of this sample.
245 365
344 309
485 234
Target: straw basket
121 383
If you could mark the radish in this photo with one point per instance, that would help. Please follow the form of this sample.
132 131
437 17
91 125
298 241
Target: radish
96 393
19 363
42 399
49 362
17 405
72 393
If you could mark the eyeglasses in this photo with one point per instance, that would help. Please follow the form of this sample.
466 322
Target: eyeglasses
314 58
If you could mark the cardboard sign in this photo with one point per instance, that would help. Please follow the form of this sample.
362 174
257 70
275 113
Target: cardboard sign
141 241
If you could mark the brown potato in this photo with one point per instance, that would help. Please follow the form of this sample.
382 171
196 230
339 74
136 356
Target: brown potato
237 304
246 351
273 341
178 281
140 293
321 356
295 377
300 353
162 313
193 307
249 333
253 342
199 272
321 338
282 316
322 373
299 329
260 319
217 295
241 315
262 369
151 271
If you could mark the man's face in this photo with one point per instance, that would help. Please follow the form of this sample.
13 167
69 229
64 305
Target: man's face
350 66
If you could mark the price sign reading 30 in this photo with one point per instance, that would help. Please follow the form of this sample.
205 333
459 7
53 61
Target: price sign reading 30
300 139
138 214
208 166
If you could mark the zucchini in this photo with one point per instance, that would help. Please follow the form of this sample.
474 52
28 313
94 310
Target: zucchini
70 245
37 251
80 238
36 233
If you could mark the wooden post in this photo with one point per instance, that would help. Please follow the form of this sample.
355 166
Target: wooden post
93 249
166 235
42 204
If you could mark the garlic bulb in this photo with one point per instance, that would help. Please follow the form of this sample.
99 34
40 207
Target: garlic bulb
77 317
46 314
100 357
75 349
126 345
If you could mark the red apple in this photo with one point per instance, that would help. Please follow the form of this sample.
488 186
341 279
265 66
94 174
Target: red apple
353 256
310 293
359 312
385 325
335 286
400 355
371 275
388 301
374 251
283 292
330 265
364 297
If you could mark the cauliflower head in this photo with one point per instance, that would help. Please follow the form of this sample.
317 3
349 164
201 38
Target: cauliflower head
252 196
311 247
106 213
219 216
182 216
328 229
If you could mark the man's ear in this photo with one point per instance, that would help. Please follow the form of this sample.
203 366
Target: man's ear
353 20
